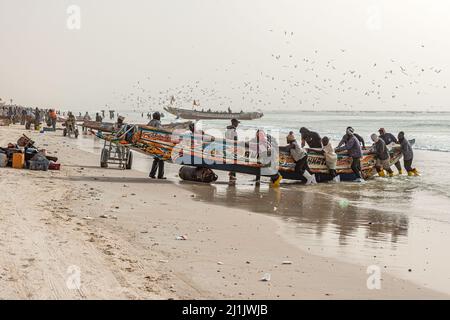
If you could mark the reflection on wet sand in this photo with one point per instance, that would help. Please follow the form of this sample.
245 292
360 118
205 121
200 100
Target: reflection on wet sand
312 210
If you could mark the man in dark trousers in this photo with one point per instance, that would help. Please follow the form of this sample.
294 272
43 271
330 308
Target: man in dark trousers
158 164
232 137
353 148
347 136
389 138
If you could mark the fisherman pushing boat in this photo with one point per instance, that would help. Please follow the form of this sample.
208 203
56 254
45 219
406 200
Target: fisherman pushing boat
354 150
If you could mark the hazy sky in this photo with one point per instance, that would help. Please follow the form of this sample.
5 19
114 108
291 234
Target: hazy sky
247 54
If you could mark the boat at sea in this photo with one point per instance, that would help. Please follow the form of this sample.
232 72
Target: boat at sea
212 115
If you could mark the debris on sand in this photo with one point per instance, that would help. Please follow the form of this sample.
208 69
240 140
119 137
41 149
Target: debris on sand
108 216
182 237
266 277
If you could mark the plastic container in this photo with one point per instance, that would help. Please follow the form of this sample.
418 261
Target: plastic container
3 160
39 165
18 160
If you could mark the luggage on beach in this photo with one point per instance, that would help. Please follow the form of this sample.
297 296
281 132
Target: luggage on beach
41 165
54 166
205 175
39 162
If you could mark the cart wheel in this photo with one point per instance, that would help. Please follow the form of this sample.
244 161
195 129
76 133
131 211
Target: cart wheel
129 160
65 132
104 158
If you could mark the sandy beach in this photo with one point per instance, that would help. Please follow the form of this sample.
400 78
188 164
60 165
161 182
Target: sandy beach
119 229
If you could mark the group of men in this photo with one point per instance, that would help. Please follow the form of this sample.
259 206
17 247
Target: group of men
351 142
354 144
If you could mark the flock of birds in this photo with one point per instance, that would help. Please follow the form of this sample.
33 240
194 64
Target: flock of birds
290 80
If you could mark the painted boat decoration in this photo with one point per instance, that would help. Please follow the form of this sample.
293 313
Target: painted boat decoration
203 115
183 148
110 127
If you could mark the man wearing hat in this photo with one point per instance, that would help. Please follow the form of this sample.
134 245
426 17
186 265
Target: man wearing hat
346 137
354 151
382 156
300 157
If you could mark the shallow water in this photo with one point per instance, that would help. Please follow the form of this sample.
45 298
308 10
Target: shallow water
401 224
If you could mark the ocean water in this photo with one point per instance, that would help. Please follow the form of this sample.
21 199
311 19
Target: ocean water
430 129
401 224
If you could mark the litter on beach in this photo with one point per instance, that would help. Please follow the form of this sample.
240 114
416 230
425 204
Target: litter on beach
25 154
182 237
266 277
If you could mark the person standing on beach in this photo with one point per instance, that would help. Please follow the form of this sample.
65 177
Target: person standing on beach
300 157
382 156
23 117
354 150
52 116
389 138
408 154
311 138
37 119
231 134
158 164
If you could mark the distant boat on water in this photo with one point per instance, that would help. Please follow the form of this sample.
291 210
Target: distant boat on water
198 115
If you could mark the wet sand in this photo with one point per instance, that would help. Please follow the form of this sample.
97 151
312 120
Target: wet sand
52 221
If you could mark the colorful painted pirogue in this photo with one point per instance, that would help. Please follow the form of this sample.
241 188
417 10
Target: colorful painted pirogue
110 127
184 148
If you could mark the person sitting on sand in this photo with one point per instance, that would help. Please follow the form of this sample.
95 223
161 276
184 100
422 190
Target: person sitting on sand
347 136
311 138
98 117
330 157
353 148
408 154
301 160
382 156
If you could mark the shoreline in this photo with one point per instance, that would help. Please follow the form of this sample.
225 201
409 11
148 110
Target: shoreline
133 253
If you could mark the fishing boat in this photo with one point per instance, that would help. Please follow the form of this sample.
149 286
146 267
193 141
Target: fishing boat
110 127
210 115
201 150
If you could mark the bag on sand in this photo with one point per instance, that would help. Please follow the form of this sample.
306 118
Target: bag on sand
205 175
